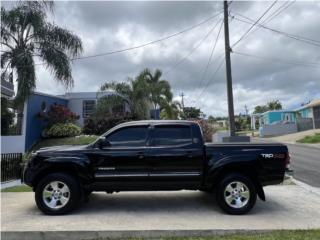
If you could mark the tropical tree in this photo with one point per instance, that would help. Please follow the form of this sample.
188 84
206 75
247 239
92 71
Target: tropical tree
274 105
159 90
191 112
26 34
135 94
171 111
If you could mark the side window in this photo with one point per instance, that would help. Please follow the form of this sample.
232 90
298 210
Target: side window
172 135
129 137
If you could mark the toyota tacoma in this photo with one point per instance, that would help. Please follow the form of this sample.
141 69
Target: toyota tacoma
155 155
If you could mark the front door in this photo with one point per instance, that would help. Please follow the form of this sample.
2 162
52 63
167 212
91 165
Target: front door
124 164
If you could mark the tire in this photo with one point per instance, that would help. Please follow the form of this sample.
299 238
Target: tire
57 194
236 194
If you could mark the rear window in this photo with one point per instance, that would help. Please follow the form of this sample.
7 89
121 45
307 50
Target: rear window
172 135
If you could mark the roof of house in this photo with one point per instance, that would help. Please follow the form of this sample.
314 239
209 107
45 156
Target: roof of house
281 111
313 103
86 95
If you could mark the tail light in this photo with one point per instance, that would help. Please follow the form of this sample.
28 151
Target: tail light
287 161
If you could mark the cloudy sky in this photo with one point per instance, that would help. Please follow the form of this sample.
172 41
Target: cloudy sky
289 70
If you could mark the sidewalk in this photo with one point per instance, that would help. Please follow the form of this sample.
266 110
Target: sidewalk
293 137
159 213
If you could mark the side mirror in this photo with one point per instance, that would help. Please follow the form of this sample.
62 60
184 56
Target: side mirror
103 142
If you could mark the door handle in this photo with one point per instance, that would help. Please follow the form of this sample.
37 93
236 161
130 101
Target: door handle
140 155
189 154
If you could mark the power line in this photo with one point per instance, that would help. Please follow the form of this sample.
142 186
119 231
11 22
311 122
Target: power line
192 50
152 42
145 44
252 26
211 78
289 35
306 64
276 13
210 58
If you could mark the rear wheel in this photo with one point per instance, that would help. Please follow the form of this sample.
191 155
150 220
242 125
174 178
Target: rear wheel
236 194
57 194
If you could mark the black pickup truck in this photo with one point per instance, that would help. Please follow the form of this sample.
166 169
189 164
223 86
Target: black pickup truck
155 155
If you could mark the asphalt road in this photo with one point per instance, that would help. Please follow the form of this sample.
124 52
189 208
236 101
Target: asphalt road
305 162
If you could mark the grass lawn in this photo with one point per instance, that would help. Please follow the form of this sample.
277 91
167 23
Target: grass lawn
79 140
21 188
275 235
310 139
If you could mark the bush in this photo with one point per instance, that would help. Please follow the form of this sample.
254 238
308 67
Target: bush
207 129
100 126
61 130
58 114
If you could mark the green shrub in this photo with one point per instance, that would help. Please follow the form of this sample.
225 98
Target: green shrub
61 130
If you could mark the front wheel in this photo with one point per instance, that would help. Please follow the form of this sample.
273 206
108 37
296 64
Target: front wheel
57 194
236 194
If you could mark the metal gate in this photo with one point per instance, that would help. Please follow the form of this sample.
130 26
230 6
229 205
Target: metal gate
11 166
316 115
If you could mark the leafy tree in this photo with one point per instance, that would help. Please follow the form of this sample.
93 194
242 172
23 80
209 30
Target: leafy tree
211 119
274 105
260 109
26 34
191 112
159 90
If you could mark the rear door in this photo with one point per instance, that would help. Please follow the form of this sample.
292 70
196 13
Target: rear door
176 161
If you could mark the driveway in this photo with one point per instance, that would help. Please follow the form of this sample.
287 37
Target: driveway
287 207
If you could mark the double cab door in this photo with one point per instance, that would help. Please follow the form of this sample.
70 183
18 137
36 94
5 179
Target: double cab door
150 157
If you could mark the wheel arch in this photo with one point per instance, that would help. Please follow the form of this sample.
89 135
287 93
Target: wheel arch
71 169
215 175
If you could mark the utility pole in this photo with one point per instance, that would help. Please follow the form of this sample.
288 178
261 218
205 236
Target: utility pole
246 109
228 70
182 102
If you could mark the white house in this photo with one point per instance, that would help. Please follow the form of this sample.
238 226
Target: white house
84 103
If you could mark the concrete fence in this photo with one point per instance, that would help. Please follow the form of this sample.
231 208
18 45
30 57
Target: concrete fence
278 129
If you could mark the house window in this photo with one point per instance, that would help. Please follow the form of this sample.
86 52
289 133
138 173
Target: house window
88 108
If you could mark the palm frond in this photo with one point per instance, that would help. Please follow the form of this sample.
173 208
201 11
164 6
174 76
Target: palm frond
61 38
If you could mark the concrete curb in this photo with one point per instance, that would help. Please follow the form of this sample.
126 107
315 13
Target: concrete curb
307 187
90 235
10 184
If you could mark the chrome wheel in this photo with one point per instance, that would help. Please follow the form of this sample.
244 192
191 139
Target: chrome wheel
236 194
56 195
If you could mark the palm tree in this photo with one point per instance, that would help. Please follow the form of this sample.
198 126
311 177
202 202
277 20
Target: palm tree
159 90
26 34
274 105
134 91
171 110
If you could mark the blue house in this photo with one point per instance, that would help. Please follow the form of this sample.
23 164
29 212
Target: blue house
280 122
277 116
